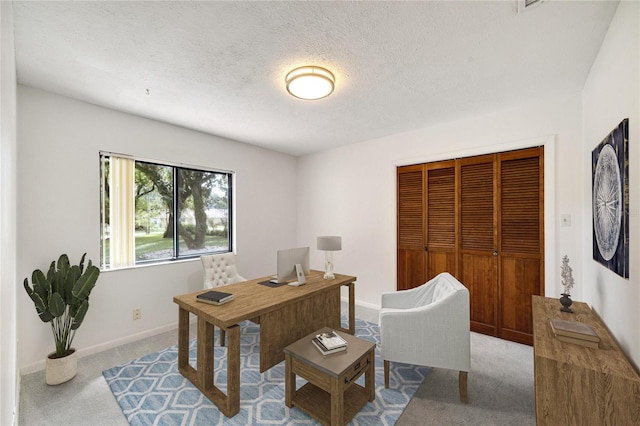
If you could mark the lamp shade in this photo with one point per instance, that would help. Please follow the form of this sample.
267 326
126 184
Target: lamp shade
330 243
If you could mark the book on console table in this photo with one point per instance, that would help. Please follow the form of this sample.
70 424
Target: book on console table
324 351
574 330
583 342
214 297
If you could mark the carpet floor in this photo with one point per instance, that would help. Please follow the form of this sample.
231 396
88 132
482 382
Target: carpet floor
151 391
501 389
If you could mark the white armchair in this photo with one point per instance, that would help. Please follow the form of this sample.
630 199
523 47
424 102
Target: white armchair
220 269
428 325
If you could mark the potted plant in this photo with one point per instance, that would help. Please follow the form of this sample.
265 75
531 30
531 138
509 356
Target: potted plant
62 299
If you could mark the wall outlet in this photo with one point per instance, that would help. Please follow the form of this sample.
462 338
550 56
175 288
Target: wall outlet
137 314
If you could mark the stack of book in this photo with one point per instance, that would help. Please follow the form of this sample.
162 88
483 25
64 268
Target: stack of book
214 297
329 343
575 332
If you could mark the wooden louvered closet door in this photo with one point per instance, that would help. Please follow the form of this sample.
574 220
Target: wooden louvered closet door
477 245
521 240
410 223
440 249
480 219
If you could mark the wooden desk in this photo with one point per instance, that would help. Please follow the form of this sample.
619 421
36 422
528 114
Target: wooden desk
577 385
285 314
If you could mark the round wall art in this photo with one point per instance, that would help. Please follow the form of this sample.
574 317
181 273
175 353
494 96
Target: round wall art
610 202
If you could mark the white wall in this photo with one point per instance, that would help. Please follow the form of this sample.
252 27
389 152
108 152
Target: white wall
350 191
612 93
58 201
8 282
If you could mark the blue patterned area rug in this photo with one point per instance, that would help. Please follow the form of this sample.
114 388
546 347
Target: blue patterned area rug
151 391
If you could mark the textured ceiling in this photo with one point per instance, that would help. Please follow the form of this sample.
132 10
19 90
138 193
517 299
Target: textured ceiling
219 67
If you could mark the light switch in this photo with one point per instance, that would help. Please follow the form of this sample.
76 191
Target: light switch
565 220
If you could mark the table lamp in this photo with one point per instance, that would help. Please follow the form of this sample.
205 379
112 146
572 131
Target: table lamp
329 245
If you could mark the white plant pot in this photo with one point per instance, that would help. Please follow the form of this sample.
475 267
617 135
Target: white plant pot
60 370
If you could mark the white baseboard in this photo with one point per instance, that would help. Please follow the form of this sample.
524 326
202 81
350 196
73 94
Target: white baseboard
37 366
365 311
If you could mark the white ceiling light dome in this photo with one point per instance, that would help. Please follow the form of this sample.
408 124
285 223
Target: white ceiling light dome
310 82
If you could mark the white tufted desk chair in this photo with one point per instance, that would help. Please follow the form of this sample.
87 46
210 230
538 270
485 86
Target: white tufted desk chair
220 269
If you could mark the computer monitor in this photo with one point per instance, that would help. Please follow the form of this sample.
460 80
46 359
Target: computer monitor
287 260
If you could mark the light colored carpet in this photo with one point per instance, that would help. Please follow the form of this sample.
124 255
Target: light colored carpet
500 389
151 391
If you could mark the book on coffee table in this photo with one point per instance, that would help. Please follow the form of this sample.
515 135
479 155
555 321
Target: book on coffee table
331 340
324 351
214 297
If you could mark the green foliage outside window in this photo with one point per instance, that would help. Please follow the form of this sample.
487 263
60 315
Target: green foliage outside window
169 200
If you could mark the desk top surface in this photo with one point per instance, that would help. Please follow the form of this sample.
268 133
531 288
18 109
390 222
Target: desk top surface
251 299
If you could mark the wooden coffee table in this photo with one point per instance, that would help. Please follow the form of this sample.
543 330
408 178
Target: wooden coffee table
331 394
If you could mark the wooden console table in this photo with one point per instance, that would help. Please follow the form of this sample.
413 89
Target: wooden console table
578 385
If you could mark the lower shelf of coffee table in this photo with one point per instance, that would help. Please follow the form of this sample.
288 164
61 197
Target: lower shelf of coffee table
317 403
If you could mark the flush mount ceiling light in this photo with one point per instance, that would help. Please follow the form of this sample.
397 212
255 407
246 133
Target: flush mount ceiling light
310 82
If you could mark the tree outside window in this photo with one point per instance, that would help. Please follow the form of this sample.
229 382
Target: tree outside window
166 201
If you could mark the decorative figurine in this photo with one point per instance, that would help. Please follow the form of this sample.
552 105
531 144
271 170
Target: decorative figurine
567 282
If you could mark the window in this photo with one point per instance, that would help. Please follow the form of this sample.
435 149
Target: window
158 212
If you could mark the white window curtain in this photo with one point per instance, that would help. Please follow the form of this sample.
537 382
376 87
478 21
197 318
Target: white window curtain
122 212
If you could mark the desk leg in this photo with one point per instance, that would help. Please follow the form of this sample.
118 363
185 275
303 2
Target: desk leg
352 310
233 370
204 372
183 338
228 404
289 380
202 377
